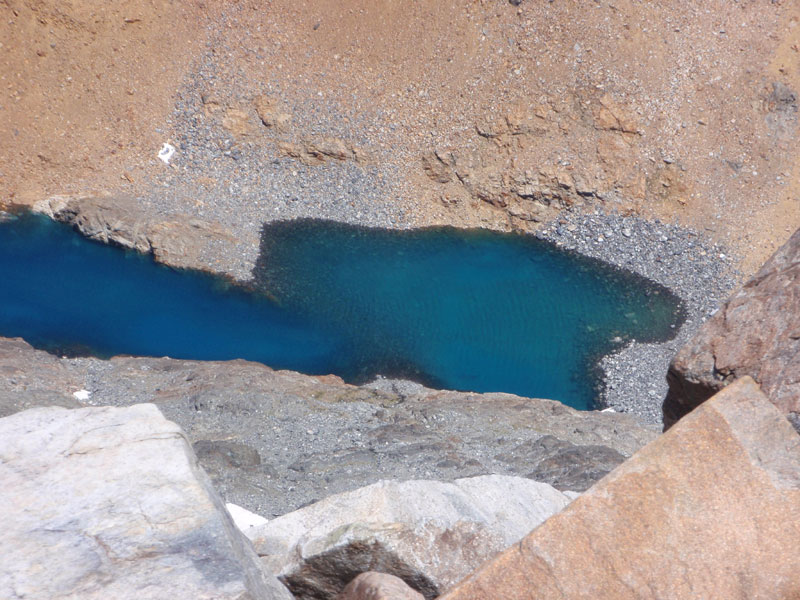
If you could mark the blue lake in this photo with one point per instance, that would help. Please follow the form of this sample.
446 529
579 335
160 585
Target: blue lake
457 309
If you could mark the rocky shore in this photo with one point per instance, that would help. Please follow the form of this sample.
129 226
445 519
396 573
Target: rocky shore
686 262
273 441
660 137
702 274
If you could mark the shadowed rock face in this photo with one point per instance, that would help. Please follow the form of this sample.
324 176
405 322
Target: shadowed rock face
756 333
563 465
711 509
378 586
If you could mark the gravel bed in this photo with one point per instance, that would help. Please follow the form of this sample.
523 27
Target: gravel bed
701 274
246 181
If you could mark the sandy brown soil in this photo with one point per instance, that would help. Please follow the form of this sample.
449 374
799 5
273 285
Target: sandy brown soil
84 88
494 114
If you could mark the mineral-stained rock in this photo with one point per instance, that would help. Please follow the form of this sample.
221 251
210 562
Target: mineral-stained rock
378 586
612 116
110 503
781 109
236 121
756 333
270 114
428 533
711 509
274 440
317 151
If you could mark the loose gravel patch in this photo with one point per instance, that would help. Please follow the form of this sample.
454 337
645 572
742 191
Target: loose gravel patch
701 274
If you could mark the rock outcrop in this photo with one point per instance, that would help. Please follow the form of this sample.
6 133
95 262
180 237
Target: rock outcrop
274 440
179 242
564 465
756 333
110 503
711 509
503 165
429 533
378 586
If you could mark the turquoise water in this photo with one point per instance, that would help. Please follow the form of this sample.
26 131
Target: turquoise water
468 310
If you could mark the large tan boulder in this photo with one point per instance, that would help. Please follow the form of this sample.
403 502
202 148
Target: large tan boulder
711 509
103 503
756 333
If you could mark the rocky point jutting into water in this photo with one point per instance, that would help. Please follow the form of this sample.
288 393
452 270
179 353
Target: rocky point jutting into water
659 137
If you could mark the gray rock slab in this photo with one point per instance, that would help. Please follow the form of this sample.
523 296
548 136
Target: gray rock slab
111 503
564 465
428 533
273 441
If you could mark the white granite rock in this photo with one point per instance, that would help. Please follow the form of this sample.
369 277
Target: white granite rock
428 533
110 503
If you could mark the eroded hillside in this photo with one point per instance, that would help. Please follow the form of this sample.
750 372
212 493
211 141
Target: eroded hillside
466 113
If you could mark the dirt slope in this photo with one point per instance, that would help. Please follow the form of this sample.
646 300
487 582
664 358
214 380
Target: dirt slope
472 112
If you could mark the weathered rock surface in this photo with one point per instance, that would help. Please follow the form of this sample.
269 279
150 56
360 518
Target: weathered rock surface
429 533
110 503
179 241
317 151
273 441
711 509
756 333
563 465
378 586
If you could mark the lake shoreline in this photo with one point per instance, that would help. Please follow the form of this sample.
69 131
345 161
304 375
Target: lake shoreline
633 379
702 274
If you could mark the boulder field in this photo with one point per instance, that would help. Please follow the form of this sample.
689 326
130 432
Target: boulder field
110 502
